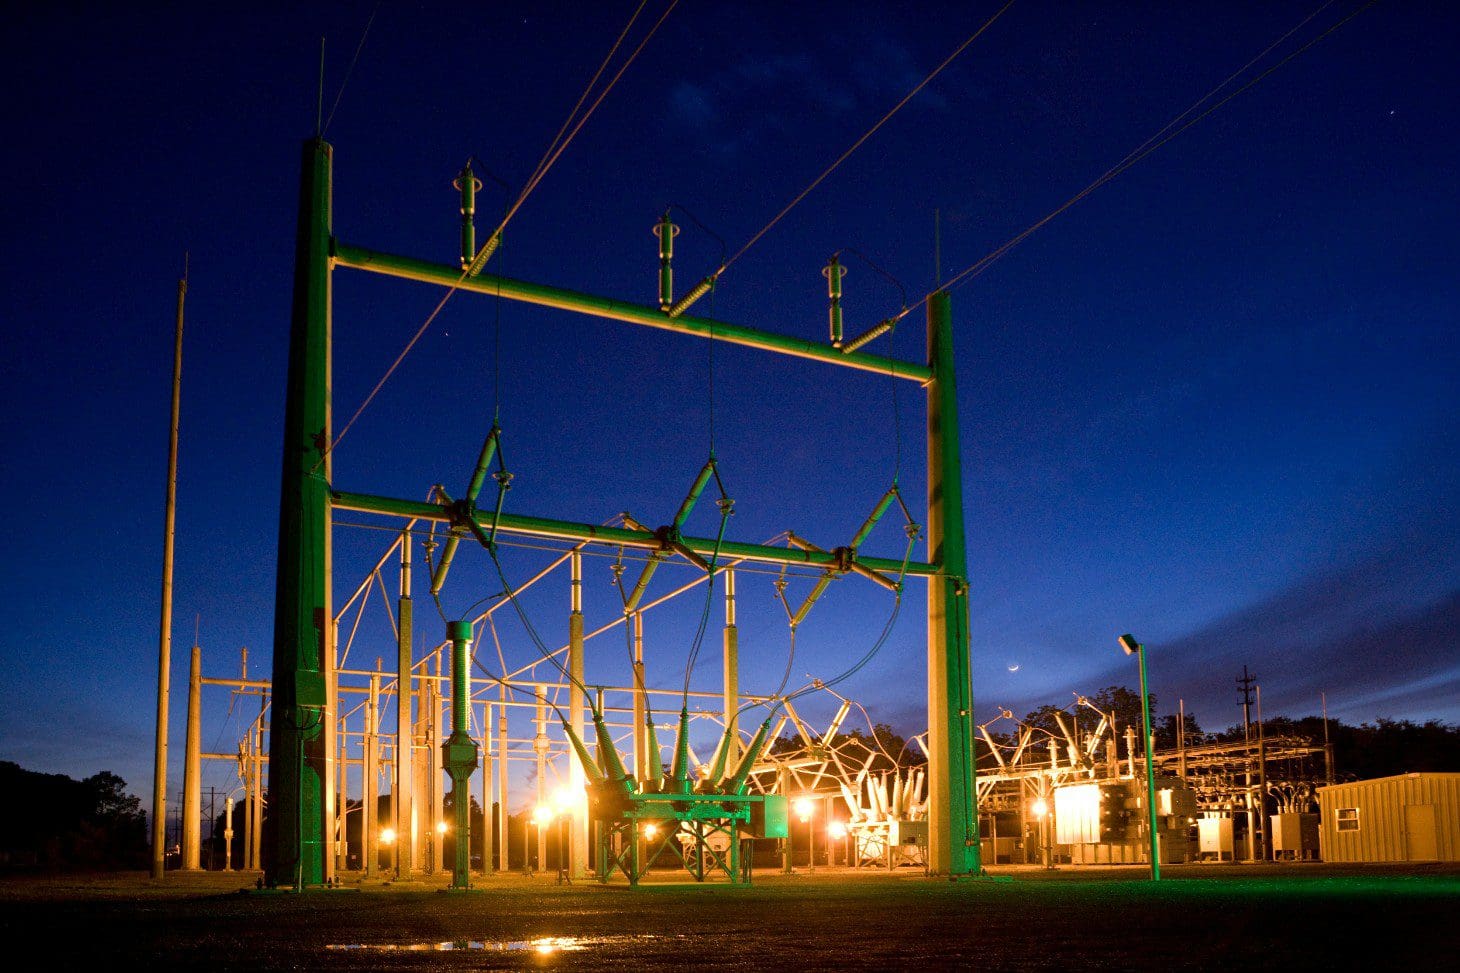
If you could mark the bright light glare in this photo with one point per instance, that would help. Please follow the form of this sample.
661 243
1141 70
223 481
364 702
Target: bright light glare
440 827
563 799
387 836
1039 808
651 829
837 830
803 808
541 815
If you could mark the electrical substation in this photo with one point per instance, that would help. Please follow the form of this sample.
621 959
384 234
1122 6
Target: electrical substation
370 768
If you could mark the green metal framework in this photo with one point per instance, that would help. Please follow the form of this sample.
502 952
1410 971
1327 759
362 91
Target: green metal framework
300 748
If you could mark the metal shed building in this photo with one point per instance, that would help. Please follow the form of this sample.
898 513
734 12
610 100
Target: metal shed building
1411 817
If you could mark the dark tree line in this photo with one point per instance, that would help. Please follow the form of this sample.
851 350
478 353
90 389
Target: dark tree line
50 821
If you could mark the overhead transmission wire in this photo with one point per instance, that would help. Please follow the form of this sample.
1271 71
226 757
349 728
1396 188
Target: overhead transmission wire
350 70
555 150
1165 134
867 135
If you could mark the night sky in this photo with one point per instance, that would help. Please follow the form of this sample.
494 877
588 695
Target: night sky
1214 404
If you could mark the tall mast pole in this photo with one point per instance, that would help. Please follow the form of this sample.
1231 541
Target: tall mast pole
164 651
953 815
299 761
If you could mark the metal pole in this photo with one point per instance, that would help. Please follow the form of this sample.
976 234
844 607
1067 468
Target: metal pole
578 828
1155 837
433 772
540 744
403 796
302 629
641 742
459 752
953 842
164 648
370 776
488 833
1263 819
504 838
731 672
193 765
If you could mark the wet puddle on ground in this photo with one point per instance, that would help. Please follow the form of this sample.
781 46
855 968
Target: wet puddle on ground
544 946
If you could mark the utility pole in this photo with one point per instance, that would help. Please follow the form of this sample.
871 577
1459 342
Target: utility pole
1245 684
164 650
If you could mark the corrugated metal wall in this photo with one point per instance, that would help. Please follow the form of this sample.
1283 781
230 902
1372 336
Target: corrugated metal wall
1381 836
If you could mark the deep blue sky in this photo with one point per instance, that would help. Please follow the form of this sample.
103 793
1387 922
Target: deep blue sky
1214 404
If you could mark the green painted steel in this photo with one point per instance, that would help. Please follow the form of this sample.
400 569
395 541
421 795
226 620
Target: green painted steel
294 844
833 272
872 518
666 232
691 498
654 778
459 752
1153 834
682 782
484 463
953 828
409 268
617 536
468 184
590 769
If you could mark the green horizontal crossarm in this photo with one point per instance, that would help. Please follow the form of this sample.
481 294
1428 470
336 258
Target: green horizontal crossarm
392 265
616 536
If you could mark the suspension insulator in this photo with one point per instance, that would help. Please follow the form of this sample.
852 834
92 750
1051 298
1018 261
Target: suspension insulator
876 331
834 272
666 232
488 248
697 292
468 184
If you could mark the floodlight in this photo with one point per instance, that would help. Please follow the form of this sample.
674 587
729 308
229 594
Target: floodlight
1129 643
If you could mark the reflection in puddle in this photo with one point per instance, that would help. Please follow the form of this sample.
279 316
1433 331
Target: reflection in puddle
545 946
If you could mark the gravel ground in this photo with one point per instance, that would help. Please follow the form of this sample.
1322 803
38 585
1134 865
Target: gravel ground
1293 917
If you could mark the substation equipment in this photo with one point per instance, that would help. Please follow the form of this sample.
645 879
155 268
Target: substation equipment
304 735
1071 796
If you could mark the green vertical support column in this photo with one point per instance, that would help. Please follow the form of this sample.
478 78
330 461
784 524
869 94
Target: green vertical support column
953 818
403 797
578 857
295 846
459 752
731 673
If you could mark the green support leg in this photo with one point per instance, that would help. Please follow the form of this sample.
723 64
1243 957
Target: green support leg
953 847
294 845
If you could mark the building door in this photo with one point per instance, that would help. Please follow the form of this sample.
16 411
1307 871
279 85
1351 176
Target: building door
1419 832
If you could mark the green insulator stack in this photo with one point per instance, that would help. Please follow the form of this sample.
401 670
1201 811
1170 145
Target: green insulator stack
834 272
722 753
666 232
680 772
608 758
654 780
468 184
736 784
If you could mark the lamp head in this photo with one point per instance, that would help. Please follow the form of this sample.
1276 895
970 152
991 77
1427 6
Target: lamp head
1129 643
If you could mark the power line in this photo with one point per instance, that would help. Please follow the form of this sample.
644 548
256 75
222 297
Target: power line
351 69
1165 134
869 133
554 151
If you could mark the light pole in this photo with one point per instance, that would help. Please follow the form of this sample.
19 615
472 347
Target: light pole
1132 647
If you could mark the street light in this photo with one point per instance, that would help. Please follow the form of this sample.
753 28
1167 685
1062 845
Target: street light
837 832
1132 647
